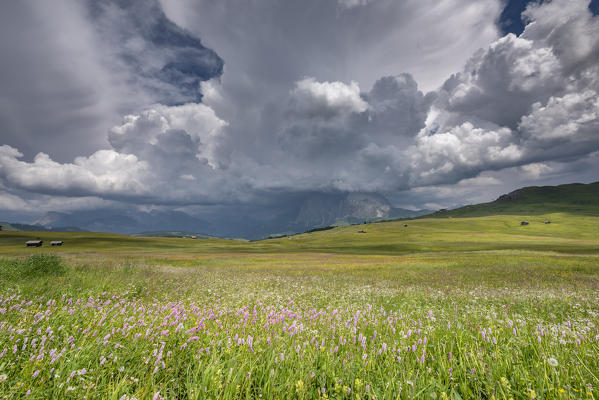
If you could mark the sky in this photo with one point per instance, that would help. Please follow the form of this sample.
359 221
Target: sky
192 104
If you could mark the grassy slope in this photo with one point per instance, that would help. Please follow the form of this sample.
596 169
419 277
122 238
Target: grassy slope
567 233
575 198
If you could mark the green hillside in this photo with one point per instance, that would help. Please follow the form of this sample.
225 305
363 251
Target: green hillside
567 233
575 198
7 227
175 234
572 210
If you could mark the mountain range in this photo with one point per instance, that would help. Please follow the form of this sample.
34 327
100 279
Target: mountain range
293 215
322 209
123 220
307 211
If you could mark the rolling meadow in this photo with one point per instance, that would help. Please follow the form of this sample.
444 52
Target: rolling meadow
443 308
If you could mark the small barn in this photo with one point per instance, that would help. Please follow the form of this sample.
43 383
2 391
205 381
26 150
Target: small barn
57 243
34 243
524 223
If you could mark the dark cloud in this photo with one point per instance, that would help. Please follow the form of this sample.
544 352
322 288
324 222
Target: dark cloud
397 107
500 83
55 97
70 70
166 59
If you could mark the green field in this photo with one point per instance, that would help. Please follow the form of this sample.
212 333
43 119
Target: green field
454 308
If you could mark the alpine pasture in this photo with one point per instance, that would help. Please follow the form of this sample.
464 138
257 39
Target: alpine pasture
443 308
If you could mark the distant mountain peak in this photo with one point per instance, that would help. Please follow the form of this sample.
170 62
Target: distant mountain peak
51 218
364 205
322 209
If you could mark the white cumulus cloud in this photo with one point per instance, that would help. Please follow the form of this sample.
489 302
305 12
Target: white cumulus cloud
327 99
105 172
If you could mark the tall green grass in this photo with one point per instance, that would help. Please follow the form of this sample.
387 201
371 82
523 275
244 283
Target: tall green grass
443 308
504 324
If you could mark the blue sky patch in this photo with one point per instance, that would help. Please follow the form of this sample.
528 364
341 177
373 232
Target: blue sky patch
511 22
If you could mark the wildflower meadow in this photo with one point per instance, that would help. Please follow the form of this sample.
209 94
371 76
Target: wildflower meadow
497 324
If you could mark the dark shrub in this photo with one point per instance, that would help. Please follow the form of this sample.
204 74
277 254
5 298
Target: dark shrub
42 265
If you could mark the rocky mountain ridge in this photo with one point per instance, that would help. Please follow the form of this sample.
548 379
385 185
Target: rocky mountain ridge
305 212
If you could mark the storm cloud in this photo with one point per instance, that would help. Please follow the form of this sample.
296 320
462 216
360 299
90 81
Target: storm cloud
424 102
